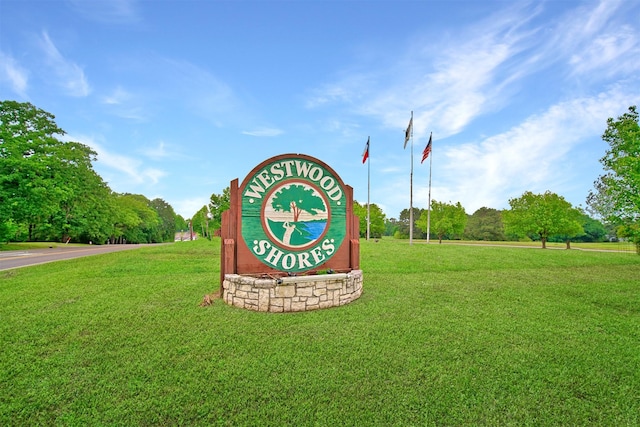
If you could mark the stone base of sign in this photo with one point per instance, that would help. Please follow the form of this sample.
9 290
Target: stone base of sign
287 294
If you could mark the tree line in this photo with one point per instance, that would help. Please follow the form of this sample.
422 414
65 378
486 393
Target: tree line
49 190
537 217
615 201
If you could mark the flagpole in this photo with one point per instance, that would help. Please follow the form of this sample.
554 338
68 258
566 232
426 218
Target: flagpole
429 203
369 190
411 188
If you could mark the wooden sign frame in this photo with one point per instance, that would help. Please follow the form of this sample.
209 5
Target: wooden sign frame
337 250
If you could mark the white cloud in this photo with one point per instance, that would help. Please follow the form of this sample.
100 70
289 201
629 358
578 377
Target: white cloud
263 132
106 11
610 53
205 94
117 97
181 84
541 153
161 151
13 73
153 174
595 41
187 207
122 103
588 21
121 170
334 92
447 87
531 156
166 87
458 79
70 75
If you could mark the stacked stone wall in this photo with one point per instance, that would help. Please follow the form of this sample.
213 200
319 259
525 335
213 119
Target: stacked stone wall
287 294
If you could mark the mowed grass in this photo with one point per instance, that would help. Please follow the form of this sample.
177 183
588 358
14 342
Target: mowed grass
442 335
595 246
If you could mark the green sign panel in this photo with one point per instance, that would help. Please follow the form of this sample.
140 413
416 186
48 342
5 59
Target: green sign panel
293 213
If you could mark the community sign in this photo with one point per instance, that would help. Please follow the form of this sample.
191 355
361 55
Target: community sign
295 215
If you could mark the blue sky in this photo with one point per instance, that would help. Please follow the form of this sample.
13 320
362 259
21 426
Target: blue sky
180 97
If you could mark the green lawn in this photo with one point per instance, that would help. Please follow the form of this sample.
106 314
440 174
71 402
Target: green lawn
442 335
595 246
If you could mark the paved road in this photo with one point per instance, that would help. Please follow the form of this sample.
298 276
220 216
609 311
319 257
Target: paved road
16 259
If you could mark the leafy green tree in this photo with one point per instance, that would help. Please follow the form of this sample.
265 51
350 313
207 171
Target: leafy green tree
181 223
84 210
361 212
446 220
96 222
200 221
8 231
46 185
167 216
218 203
297 199
616 197
377 226
542 216
50 191
574 229
390 227
594 230
403 225
485 224
28 162
136 221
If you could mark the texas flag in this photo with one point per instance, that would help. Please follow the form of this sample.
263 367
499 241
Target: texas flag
365 154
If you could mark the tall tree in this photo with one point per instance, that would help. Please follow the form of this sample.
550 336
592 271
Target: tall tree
167 216
390 227
573 227
593 229
181 223
49 188
616 197
446 220
218 203
485 224
542 216
200 221
28 163
378 219
137 222
47 185
404 225
84 209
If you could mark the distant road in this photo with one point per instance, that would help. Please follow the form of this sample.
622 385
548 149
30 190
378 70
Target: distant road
27 257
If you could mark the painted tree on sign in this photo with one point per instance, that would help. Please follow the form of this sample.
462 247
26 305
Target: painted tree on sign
542 215
297 199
